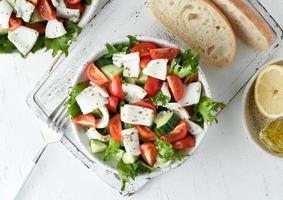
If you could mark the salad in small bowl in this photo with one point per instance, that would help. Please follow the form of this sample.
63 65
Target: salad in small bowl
141 106
30 25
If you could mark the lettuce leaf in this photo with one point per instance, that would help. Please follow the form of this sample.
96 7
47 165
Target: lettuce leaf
186 64
160 99
133 40
72 105
6 46
130 171
86 2
205 110
112 149
39 44
165 150
62 43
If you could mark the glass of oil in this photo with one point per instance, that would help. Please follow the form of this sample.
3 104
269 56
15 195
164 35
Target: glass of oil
272 136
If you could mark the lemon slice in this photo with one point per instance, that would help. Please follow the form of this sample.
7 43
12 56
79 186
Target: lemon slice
269 91
272 136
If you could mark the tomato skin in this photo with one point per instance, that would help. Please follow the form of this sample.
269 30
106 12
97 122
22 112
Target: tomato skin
186 143
14 23
145 132
144 61
115 127
115 87
152 86
34 2
146 103
112 103
168 53
37 26
95 75
178 133
72 1
46 9
143 48
87 120
149 153
78 5
188 80
176 86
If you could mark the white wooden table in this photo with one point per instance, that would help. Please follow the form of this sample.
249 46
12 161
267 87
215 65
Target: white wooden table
227 165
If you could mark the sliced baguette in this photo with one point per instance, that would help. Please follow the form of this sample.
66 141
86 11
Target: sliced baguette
248 25
200 24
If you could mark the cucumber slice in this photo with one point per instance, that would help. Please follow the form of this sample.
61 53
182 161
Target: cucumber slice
111 70
120 106
126 126
102 61
35 17
119 155
97 113
166 122
97 146
140 81
130 80
129 158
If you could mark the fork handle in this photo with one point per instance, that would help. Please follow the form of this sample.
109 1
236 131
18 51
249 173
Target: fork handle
29 169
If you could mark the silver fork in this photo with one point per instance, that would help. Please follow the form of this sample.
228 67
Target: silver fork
51 134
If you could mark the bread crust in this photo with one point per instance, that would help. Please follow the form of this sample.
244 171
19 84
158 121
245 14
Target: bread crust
256 20
189 41
234 42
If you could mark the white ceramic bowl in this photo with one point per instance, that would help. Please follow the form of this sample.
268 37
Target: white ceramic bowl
91 10
253 121
80 134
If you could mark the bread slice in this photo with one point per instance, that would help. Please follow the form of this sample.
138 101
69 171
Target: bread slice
200 24
248 25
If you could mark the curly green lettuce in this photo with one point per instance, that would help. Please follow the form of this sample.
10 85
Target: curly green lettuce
72 105
160 99
205 110
130 171
133 40
186 64
6 46
106 59
111 149
62 43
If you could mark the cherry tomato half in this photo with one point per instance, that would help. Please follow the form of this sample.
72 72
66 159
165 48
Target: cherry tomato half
115 127
115 87
146 103
37 26
72 1
143 48
144 61
78 5
149 153
176 86
95 75
34 2
14 23
145 132
112 103
152 86
186 143
46 9
87 120
168 53
178 133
